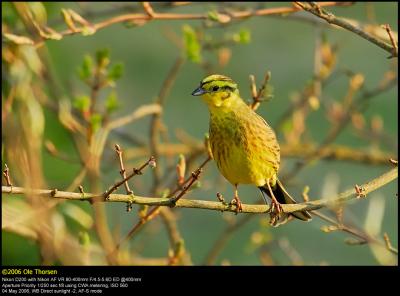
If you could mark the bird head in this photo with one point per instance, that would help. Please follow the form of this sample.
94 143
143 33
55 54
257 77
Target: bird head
218 91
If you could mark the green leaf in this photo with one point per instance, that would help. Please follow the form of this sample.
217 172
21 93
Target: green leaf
84 238
85 72
112 102
116 71
82 103
103 57
243 36
192 45
218 17
88 30
213 15
95 121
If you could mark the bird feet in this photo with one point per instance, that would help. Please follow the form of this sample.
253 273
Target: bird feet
275 212
236 201
276 207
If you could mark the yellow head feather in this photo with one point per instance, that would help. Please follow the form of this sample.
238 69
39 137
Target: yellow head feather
218 91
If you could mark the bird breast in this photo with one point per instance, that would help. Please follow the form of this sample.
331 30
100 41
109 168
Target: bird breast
244 147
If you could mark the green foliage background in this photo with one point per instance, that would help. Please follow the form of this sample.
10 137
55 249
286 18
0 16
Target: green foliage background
284 47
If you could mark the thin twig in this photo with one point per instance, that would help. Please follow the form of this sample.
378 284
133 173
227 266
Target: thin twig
188 179
135 115
194 178
394 44
149 216
135 172
155 124
365 238
155 210
335 131
122 171
389 244
149 10
258 95
144 17
316 10
6 174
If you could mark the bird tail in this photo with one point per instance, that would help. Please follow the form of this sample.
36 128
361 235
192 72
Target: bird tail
283 197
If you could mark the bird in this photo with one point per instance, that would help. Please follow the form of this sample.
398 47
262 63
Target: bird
244 146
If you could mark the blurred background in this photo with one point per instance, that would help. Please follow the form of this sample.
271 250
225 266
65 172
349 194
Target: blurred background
321 76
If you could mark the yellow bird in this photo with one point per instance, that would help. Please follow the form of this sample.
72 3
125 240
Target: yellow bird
244 146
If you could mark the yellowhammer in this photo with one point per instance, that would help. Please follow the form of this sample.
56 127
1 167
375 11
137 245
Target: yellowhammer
244 146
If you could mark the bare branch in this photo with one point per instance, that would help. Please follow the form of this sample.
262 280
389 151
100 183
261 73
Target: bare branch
394 44
135 115
301 150
149 10
150 15
150 162
122 171
6 174
345 196
389 244
258 95
155 124
316 10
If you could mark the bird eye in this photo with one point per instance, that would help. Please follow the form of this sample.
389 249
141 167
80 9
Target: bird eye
215 88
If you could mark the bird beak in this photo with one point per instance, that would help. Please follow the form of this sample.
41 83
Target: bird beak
199 91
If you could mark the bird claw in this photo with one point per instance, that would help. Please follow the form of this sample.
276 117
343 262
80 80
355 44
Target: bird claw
275 212
236 201
276 208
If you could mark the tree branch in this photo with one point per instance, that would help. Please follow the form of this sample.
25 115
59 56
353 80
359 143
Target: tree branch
145 17
316 10
211 205
135 115
156 122
301 150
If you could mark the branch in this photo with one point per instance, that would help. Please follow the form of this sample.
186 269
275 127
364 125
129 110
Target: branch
151 15
392 40
389 244
151 162
363 237
156 209
135 115
258 95
301 150
122 172
211 205
339 126
316 10
336 152
6 174
156 122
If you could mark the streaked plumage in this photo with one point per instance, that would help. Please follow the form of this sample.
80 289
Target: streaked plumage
244 146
